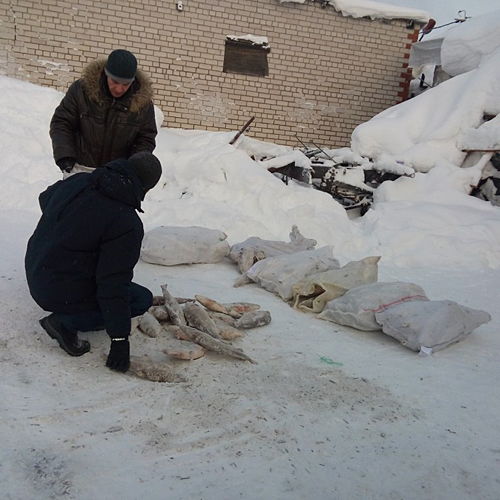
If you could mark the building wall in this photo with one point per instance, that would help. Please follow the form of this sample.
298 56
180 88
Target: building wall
327 73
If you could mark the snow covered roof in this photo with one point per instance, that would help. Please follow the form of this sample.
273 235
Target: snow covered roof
461 48
468 45
373 10
437 126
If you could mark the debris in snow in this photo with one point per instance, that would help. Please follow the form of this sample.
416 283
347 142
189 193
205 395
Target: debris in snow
488 188
486 137
298 158
386 164
348 177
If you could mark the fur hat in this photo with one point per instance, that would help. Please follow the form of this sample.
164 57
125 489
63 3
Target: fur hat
147 167
121 66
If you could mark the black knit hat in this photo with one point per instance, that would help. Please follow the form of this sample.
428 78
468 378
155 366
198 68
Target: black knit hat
147 168
121 66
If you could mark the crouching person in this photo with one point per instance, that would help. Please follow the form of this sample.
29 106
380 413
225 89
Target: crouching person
80 259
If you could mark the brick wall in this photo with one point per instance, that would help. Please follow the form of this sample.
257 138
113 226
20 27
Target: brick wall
327 73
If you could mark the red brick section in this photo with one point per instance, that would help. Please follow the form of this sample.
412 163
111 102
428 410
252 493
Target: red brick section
404 93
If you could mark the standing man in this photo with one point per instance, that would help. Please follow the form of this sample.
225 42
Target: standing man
105 115
80 259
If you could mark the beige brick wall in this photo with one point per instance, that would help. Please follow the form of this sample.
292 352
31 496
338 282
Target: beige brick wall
327 73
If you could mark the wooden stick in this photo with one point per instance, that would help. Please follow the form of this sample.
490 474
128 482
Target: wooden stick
247 124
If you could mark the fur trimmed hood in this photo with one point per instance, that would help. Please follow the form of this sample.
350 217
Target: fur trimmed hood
142 90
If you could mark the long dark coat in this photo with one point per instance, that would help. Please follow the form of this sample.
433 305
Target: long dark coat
83 251
93 127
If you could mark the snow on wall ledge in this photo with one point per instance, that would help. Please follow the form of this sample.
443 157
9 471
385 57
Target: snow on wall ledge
373 10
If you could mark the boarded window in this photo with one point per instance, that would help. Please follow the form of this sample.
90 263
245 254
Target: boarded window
245 56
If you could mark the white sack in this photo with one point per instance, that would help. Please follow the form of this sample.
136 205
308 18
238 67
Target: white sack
313 293
253 249
279 274
358 306
430 326
171 246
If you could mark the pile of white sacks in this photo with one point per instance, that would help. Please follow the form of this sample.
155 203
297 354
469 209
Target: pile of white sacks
313 281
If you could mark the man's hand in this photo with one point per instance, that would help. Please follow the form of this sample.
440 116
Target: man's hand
119 355
66 164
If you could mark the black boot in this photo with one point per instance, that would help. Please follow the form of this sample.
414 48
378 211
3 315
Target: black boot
67 339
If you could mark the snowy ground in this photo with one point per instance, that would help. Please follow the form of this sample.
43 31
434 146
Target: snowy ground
381 422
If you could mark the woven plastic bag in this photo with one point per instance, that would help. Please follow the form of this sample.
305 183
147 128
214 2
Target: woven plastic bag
171 245
430 326
313 293
279 274
253 249
357 307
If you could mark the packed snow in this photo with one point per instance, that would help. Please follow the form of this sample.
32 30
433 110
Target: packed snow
371 9
328 411
467 46
434 128
255 40
445 12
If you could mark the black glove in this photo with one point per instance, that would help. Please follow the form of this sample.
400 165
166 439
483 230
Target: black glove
66 164
119 355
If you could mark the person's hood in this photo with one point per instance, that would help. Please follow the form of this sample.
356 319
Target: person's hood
141 89
116 180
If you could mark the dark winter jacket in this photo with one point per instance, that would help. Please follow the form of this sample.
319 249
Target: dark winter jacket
83 251
93 127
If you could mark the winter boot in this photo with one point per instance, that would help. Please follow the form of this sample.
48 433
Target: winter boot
67 339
